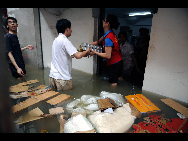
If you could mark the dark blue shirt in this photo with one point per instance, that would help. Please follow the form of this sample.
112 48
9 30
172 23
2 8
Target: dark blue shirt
13 45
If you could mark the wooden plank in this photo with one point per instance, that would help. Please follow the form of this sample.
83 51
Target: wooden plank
176 106
55 111
46 95
18 88
31 101
21 86
24 104
58 99
31 115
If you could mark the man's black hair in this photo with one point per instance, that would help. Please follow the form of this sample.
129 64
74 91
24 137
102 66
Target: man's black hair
62 24
112 19
6 22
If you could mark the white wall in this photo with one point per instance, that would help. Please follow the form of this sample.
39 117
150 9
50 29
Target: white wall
27 33
82 25
48 34
167 68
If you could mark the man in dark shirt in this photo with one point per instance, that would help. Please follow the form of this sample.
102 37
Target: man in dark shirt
16 62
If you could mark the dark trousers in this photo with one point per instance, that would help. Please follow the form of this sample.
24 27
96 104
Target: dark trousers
115 71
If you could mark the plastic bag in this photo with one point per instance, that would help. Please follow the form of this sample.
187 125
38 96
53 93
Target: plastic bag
77 123
118 98
119 122
73 104
92 107
89 99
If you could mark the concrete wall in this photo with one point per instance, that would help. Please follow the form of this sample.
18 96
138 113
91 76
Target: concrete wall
167 68
82 24
48 33
28 31
31 23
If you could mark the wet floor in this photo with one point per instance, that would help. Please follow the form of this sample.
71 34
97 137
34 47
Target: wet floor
84 84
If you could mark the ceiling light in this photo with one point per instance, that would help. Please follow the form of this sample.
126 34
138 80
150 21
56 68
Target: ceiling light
139 13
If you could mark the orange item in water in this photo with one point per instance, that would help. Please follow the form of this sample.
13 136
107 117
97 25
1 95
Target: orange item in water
142 103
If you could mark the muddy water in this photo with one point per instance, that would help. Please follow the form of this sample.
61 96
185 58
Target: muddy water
84 84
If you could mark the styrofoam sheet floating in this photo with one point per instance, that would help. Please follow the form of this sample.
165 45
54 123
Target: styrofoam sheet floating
77 123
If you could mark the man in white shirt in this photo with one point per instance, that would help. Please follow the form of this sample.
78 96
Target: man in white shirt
62 53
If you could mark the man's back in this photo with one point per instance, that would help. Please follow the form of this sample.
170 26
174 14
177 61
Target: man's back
62 51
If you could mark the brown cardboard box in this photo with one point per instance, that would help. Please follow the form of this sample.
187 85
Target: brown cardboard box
104 104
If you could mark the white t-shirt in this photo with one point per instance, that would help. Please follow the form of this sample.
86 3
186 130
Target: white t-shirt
62 51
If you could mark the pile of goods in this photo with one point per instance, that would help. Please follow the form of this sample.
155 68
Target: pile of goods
108 113
88 103
84 46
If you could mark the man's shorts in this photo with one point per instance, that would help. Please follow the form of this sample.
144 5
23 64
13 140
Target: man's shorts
61 85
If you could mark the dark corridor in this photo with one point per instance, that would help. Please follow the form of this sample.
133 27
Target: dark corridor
137 29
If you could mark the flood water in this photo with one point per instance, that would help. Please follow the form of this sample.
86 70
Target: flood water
84 84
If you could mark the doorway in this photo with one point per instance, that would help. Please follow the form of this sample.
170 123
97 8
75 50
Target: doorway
135 27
